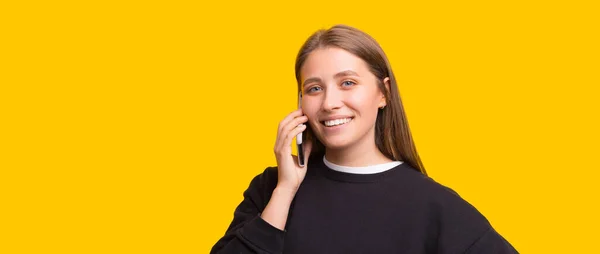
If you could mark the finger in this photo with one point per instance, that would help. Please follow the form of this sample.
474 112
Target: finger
293 124
283 123
283 145
290 126
293 133
288 118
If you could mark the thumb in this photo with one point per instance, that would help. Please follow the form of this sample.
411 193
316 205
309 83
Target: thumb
307 149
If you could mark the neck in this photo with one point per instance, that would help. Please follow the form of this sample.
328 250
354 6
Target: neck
362 154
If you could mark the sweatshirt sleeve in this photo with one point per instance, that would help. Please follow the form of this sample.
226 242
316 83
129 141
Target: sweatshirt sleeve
491 243
463 229
248 232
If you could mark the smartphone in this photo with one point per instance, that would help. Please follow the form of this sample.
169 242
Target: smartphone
299 137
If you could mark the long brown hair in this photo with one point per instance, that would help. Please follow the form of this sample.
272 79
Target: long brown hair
392 134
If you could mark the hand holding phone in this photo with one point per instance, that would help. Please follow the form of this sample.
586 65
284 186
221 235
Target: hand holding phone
291 168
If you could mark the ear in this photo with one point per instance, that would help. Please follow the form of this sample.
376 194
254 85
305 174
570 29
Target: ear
386 83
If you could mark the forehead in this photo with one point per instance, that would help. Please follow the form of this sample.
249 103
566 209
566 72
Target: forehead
326 62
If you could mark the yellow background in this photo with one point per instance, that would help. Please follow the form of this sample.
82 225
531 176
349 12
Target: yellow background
134 127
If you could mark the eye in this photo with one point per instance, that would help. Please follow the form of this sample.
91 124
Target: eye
348 83
313 89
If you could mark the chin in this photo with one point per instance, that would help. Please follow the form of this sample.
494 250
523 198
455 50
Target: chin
336 143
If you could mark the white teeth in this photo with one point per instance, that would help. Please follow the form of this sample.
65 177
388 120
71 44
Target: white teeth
337 122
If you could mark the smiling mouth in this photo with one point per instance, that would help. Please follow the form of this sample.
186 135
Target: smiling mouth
337 122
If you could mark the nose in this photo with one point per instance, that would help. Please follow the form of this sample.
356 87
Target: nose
332 100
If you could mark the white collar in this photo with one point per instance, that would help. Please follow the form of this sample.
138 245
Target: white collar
362 170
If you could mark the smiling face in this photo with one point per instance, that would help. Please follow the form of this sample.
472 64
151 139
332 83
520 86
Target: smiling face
341 98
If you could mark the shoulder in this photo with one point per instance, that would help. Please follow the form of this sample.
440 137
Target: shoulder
262 185
266 179
268 176
435 194
458 223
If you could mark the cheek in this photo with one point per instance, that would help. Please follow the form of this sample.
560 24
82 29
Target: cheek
364 104
367 100
309 111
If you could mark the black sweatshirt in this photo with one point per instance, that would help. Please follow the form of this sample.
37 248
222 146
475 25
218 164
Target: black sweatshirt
396 211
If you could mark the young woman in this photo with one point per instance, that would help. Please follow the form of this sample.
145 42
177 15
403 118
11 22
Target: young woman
364 188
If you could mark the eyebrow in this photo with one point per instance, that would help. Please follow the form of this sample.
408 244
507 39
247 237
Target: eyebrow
337 75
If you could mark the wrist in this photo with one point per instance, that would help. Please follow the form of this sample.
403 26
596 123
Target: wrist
285 191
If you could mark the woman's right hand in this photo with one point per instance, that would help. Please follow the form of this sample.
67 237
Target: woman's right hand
290 174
